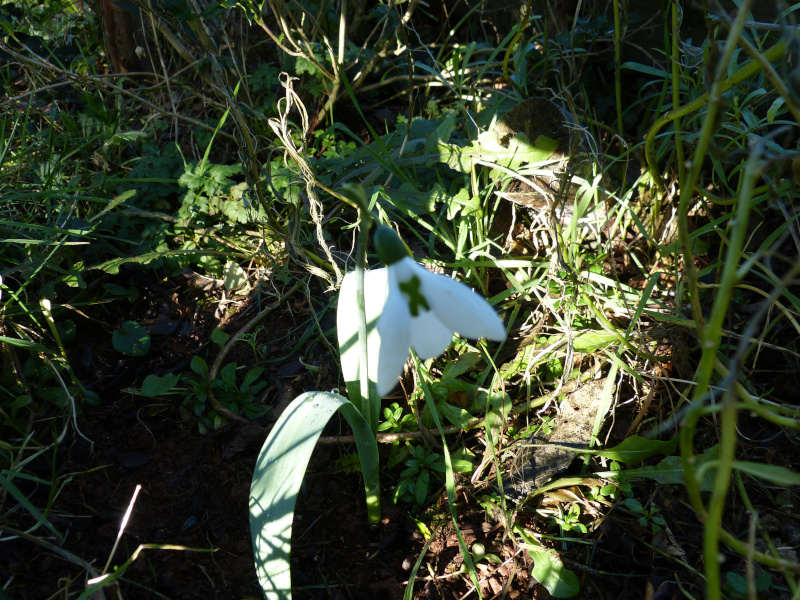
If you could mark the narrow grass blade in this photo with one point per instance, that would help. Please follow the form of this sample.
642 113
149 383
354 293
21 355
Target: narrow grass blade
33 347
26 504
412 577
450 483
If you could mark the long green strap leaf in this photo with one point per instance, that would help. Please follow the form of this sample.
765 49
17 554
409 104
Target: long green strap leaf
279 472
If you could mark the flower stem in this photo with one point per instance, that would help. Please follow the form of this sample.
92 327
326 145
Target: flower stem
369 403
364 223
356 194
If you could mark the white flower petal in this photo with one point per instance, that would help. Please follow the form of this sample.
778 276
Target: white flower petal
347 317
394 326
429 336
347 327
443 306
458 307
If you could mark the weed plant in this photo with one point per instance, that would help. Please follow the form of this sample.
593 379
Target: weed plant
665 262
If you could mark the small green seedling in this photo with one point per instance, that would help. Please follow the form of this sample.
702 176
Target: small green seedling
646 516
395 420
415 478
569 521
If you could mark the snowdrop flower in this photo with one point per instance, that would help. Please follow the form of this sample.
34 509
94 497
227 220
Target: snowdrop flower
407 306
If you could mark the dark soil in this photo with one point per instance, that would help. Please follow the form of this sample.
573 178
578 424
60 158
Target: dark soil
194 495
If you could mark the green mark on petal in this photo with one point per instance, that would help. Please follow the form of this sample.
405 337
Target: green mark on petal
415 299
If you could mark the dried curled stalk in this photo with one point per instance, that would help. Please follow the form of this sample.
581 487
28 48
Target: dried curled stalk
281 127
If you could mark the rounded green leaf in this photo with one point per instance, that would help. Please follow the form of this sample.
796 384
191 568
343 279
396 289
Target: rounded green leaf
235 277
551 573
131 339
220 337
153 385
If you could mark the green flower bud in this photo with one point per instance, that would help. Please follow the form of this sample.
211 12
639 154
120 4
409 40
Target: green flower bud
478 551
389 246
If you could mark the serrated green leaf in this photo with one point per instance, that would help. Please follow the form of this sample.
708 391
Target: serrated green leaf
464 204
112 266
773 473
220 173
191 179
635 449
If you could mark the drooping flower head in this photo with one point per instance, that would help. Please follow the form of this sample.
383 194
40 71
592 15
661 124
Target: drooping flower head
408 307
